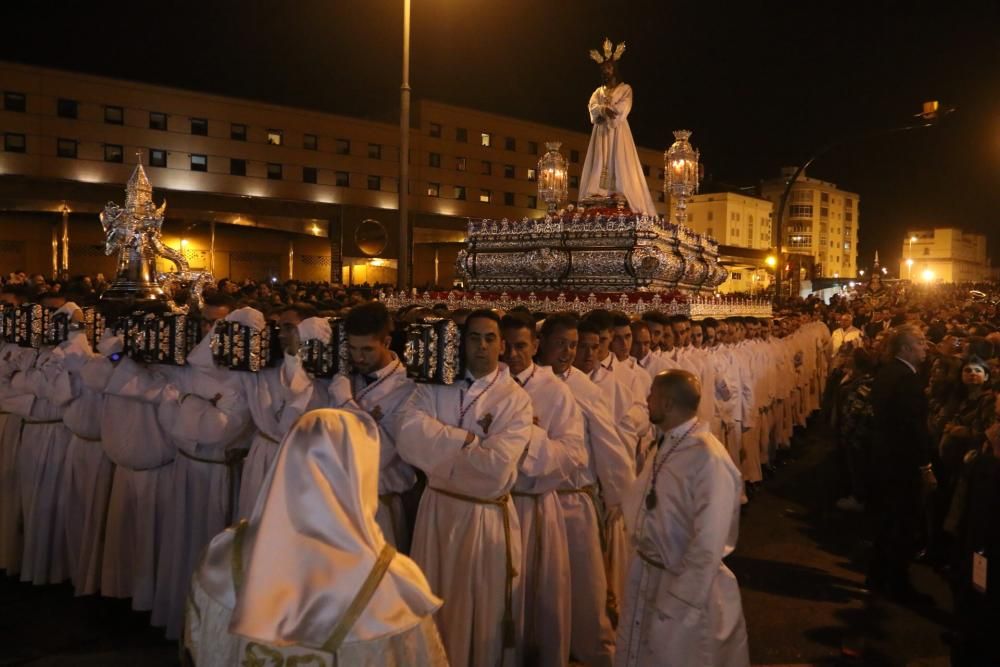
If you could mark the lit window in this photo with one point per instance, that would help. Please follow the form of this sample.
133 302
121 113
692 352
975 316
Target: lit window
343 179
374 182
485 139
308 174
460 192
14 102
375 151
199 126
275 137
157 157
433 189
435 131
460 163
66 148
237 167
485 196
157 121
114 115
67 108
310 142
14 143
113 153
199 163
531 174
342 147
238 132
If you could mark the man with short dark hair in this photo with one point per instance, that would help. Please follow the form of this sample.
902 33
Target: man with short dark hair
469 437
682 604
379 386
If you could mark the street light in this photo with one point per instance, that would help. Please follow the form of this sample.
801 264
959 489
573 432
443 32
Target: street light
771 261
909 268
403 271
927 275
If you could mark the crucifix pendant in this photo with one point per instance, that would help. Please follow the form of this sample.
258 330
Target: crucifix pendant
651 499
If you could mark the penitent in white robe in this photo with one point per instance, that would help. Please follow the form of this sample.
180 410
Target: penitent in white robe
682 604
383 400
555 452
276 397
468 550
13 404
612 163
592 488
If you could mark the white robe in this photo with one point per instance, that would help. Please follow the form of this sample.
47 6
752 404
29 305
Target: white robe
686 610
463 547
610 473
555 452
612 163
13 404
383 400
276 397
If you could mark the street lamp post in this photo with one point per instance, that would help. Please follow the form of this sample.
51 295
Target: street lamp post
403 272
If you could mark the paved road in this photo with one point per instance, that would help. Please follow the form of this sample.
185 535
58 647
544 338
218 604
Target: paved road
800 568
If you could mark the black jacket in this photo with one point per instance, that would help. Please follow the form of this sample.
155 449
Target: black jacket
901 443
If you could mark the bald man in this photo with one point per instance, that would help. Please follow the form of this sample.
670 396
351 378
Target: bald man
682 605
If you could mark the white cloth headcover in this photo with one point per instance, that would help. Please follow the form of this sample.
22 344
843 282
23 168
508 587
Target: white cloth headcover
315 328
68 308
248 317
110 344
312 540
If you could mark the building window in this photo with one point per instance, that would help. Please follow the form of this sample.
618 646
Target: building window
460 192
310 142
113 153
114 115
661 175
14 102
510 144
273 171
508 199
238 132
927 251
460 163
199 126
67 108
157 121
433 189
342 147
375 151
461 134
574 156
574 181
487 168
308 174
848 216
736 275
374 182
157 157
485 196
434 160
435 131
824 212
532 201
275 137
237 167
824 197
847 245
508 171
711 215
15 143
800 211
531 174
710 231
199 162
533 147
66 148
848 202
342 179
485 139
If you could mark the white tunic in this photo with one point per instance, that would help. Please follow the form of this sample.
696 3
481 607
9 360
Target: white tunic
682 605
469 550
13 404
612 163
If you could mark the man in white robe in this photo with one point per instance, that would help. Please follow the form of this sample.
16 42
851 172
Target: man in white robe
592 494
468 437
682 604
556 450
378 386
647 358
612 165
14 403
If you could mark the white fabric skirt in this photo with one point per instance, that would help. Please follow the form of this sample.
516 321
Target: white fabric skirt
40 469
11 543
89 474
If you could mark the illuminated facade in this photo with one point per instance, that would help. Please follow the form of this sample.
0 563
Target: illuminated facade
820 220
736 220
944 255
256 189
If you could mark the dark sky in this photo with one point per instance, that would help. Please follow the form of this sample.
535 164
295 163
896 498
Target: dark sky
761 84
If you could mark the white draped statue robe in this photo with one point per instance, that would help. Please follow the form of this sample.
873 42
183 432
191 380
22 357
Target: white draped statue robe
470 551
682 604
612 164
555 452
14 404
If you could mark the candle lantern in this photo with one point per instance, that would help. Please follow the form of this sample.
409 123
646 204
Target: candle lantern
553 176
681 175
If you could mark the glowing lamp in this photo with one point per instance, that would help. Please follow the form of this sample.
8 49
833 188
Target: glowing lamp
681 173
771 261
553 176
927 275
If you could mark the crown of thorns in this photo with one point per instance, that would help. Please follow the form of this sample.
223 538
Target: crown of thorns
609 54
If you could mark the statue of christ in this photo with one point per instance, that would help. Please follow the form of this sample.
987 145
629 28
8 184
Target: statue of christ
612 165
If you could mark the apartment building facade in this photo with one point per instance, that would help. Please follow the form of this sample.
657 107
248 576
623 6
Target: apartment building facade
944 255
737 220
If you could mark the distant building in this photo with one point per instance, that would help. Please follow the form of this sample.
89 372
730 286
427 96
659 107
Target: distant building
736 220
944 255
820 220
255 189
